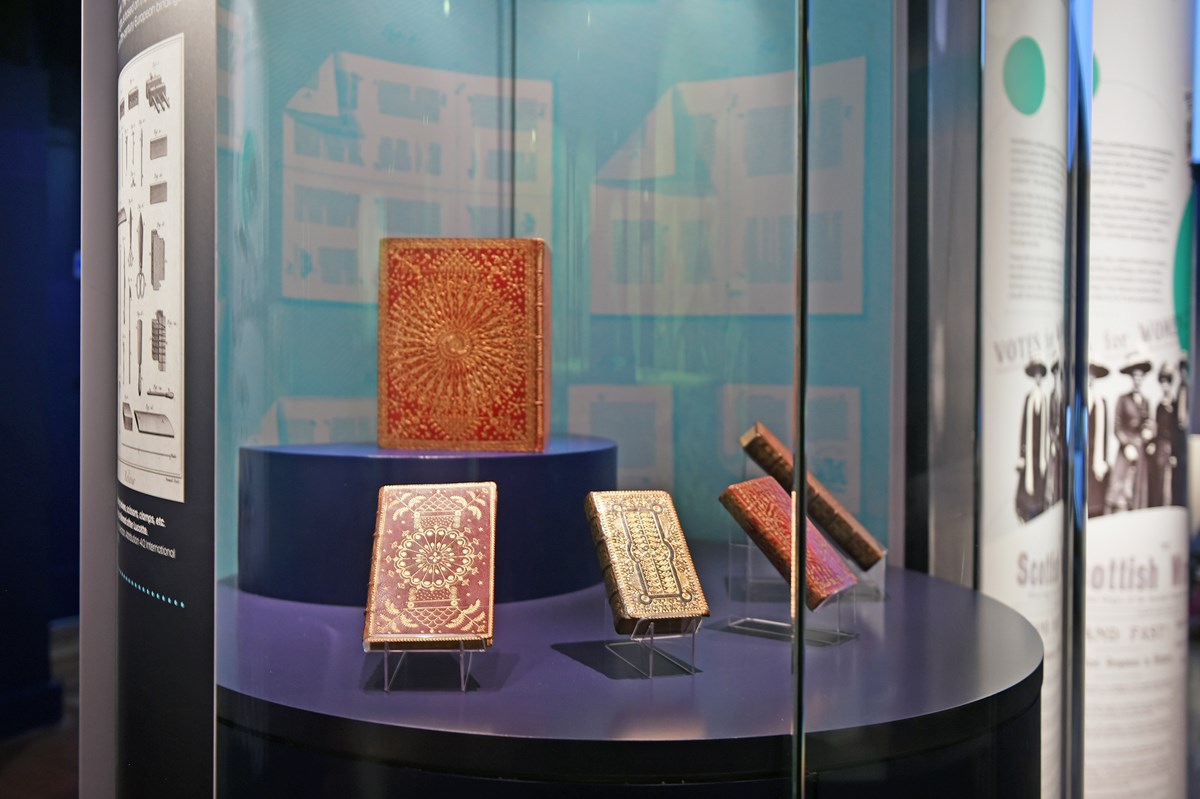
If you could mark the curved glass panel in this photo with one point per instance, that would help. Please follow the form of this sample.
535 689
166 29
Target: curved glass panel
652 146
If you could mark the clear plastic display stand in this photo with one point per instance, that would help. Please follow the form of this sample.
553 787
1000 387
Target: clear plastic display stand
763 601
759 596
465 656
872 582
831 624
643 648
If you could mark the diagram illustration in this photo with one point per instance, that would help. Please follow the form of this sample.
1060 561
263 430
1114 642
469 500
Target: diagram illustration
141 276
158 263
158 340
156 93
154 424
150 235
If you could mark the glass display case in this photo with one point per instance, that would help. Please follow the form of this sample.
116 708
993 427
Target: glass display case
656 397
653 148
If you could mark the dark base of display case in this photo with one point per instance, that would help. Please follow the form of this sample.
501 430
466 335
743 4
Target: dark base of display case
990 766
28 707
938 692
306 514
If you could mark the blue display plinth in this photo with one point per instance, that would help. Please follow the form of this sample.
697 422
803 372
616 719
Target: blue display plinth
939 695
306 514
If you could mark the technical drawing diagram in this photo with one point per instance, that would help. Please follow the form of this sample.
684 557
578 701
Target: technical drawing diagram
151 347
659 245
140 283
837 164
638 417
835 441
139 349
154 424
156 94
443 154
158 260
158 340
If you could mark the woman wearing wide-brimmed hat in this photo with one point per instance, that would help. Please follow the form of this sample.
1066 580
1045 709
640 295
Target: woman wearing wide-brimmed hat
1031 466
1055 442
1099 427
1129 487
1182 409
1161 451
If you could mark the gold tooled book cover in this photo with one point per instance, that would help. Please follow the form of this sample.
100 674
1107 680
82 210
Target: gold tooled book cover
432 567
464 344
765 449
645 560
764 510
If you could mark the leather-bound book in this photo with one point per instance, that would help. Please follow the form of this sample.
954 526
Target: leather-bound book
823 507
832 517
464 344
764 511
432 568
771 455
645 561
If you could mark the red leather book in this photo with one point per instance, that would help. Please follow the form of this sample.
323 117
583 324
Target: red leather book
432 568
764 511
776 460
464 344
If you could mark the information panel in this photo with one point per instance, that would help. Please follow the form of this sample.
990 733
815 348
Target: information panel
164 104
1140 279
1023 200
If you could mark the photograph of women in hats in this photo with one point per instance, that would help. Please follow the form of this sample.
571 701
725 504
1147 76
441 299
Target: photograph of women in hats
1129 486
1179 472
1098 450
1161 451
1054 437
1034 452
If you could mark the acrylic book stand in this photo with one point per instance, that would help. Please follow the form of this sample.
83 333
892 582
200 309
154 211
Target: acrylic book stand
764 599
465 656
643 649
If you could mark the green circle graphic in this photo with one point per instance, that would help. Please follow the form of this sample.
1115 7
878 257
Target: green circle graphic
1183 275
1025 75
1095 76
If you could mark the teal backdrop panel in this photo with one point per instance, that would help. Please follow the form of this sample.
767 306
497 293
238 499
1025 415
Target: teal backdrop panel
652 144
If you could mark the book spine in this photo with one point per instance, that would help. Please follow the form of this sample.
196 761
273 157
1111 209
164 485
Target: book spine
841 526
542 342
765 450
382 434
376 544
604 556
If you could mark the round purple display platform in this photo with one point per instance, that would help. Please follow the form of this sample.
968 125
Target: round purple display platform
306 514
940 689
